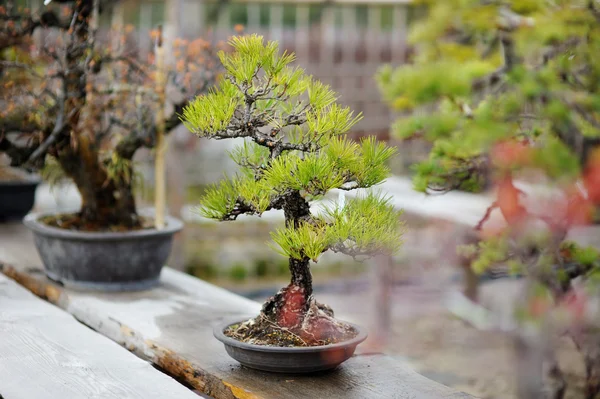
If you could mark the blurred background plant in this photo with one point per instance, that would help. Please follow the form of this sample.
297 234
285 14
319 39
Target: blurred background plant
87 103
510 90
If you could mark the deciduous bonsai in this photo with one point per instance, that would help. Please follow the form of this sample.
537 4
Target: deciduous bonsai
85 104
512 87
295 151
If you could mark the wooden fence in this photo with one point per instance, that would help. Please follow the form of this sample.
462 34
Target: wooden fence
341 42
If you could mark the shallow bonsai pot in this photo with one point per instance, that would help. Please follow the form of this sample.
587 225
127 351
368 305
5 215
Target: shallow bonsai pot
17 197
103 261
289 360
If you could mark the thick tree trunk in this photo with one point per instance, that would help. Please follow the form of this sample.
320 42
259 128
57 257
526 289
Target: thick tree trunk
289 306
301 275
107 206
104 204
297 210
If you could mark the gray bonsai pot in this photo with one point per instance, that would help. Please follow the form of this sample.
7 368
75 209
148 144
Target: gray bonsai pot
103 261
289 360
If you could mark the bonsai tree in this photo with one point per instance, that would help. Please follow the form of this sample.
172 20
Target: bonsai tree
295 151
512 87
84 106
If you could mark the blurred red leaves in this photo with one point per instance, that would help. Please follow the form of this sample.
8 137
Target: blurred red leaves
508 154
591 177
581 197
509 202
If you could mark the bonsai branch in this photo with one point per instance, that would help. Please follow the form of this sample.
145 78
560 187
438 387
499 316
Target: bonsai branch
510 60
486 216
138 138
240 208
355 253
18 155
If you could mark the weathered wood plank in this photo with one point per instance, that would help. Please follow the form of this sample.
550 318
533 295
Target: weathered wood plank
171 326
46 353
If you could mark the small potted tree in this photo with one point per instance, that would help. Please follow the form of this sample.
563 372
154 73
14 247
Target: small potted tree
512 88
85 107
295 151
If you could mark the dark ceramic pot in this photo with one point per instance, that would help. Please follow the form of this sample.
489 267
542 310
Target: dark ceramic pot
103 261
17 197
289 360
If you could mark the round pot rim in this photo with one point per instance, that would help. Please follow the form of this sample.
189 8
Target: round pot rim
27 180
218 333
32 222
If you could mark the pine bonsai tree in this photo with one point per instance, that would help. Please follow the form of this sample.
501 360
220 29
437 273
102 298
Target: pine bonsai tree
84 107
294 153
512 87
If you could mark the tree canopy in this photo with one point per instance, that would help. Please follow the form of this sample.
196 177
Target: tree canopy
295 147
523 74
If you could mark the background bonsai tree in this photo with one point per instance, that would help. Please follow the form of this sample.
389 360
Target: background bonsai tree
512 87
86 105
294 153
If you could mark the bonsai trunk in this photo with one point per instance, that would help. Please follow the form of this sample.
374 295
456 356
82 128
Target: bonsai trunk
104 203
297 210
290 305
301 276
294 307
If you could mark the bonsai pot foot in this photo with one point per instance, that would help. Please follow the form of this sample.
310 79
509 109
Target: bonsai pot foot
293 360
105 287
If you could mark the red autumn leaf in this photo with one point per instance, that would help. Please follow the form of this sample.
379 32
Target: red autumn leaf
575 304
511 153
579 209
508 201
538 306
591 177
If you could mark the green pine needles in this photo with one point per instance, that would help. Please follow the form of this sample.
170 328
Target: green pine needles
296 150
498 71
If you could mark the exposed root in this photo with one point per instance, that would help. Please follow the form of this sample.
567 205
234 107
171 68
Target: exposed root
288 320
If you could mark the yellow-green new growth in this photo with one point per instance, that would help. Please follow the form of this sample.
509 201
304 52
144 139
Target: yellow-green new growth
295 151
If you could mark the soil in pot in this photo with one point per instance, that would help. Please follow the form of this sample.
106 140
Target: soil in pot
289 319
72 221
260 331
